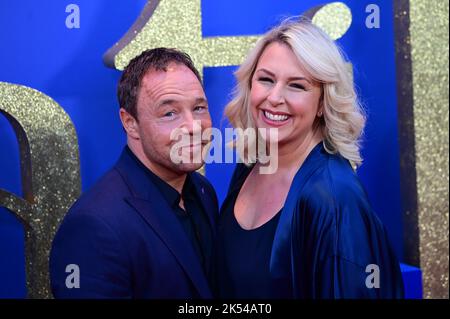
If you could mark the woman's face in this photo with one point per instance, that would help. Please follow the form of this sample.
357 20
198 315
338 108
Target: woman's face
282 96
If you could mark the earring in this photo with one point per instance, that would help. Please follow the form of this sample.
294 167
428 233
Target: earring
319 114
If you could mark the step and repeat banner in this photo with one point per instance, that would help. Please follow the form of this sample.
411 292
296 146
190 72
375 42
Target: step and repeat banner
59 117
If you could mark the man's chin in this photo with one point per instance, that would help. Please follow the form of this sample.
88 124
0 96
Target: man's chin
189 167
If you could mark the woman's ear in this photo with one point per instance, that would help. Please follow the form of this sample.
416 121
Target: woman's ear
320 109
129 123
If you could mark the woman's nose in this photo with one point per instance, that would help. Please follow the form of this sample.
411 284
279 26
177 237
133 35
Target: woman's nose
276 96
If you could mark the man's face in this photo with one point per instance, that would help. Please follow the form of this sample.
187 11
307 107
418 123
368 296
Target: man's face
169 102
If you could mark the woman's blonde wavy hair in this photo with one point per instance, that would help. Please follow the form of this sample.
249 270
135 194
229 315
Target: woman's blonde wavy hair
343 118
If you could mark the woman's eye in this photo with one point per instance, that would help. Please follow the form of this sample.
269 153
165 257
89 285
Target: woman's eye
297 86
265 79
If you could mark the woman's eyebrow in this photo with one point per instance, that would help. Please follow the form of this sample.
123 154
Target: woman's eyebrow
295 78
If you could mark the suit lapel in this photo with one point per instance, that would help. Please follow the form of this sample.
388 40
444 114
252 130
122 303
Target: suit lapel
148 201
162 220
207 202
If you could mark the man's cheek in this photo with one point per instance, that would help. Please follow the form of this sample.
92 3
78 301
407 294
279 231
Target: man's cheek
208 123
161 134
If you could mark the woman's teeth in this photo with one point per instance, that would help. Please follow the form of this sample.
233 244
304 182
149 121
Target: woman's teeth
275 117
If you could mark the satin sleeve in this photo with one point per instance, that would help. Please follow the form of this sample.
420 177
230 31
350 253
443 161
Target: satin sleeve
340 247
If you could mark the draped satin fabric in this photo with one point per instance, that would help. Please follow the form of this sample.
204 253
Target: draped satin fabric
329 243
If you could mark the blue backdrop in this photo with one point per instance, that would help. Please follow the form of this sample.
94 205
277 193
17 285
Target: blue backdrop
39 51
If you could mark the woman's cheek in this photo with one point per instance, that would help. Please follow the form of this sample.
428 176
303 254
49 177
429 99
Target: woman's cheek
256 96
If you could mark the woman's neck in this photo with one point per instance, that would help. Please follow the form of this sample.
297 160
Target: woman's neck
291 155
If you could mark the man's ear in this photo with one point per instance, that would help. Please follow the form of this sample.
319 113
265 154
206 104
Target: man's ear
129 123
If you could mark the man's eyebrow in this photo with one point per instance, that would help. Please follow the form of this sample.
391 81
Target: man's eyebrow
166 102
291 78
169 102
201 100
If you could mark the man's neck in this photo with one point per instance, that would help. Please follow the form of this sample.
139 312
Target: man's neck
176 182
174 179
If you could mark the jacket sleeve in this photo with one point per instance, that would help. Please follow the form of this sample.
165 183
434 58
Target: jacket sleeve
342 249
88 260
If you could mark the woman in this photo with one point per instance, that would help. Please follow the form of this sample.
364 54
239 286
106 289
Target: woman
307 230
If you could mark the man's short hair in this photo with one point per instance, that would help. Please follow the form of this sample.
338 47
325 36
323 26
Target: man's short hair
155 59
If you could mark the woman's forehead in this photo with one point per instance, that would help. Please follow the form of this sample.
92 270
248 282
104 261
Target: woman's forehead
280 58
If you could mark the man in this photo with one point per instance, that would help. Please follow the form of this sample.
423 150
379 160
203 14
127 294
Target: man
145 230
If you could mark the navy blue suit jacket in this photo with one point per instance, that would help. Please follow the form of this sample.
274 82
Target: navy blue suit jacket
127 242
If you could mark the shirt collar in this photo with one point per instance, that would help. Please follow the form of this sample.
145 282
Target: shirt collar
169 193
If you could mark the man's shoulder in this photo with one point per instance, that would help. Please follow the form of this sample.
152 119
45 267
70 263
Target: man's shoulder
105 196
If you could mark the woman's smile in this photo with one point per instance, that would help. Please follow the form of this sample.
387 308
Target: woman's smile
275 119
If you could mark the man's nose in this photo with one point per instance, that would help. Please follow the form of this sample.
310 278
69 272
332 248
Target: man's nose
276 95
191 125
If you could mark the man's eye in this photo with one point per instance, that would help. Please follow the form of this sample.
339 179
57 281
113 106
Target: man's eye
265 79
200 108
169 114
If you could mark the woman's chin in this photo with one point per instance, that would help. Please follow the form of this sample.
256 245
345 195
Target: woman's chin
270 134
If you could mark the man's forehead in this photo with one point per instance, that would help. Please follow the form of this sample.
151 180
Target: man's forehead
173 92
176 82
173 75
169 69
172 85
172 67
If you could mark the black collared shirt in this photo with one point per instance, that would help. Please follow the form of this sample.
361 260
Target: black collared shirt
193 218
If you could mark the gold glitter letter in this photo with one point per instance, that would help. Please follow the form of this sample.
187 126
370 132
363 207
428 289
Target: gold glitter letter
50 174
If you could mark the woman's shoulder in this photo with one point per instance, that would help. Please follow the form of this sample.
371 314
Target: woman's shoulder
334 205
335 194
334 178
